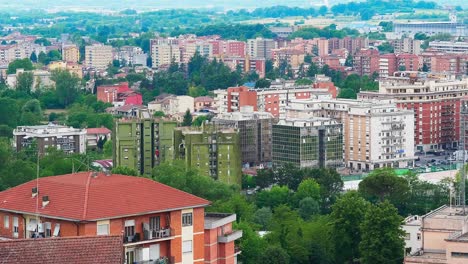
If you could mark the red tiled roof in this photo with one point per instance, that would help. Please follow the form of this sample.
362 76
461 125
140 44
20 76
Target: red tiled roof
81 197
100 130
203 99
76 250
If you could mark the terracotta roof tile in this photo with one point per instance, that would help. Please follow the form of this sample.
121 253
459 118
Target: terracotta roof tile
99 130
82 197
73 250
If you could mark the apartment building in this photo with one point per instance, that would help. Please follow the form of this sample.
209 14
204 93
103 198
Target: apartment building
387 65
164 54
316 142
293 57
95 135
376 134
255 134
168 226
449 46
436 106
70 53
141 144
118 94
98 57
172 104
443 237
23 50
366 61
73 68
67 139
214 152
272 100
220 237
406 45
247 64
131 55
353 45
449 63
260 48
413 234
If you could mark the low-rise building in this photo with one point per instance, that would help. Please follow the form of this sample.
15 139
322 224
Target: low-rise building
95 135
316 142
156 221
413 234
172 105
203 102
67 139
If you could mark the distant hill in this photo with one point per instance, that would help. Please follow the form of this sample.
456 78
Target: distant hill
143 5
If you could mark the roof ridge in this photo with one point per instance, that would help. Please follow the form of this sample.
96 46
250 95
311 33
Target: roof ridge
85 207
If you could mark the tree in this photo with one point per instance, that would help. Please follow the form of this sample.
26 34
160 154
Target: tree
308 188
107 149
262 83
24 64
10 112
66 85
323 10
251 245
263 217
303 81
200 120
159 114
125 171
275 255
33 57
276 196
347 214
24 82
31 113
308 207
382 236
187 118
384 184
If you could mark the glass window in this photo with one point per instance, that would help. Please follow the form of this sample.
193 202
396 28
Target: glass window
129 228
187 219
102 228
6 221
187 246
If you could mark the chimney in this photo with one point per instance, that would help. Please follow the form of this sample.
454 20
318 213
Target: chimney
34 192
45 201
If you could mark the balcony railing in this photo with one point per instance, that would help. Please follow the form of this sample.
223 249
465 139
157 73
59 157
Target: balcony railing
151 234
161 260
226 238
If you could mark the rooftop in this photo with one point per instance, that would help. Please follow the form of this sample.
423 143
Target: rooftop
100 130
89 196
74 250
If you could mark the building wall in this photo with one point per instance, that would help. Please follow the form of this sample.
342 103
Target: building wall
98 56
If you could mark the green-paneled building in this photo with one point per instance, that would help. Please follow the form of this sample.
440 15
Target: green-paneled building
141 144
214 152
314 142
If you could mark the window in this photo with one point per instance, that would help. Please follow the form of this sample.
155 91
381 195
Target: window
187 219
129 228
155 223
48 229
459 255
407 236
6 221
15 227
102 228
419 236
187 246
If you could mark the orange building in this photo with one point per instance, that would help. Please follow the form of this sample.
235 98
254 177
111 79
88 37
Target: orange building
219 239
157 222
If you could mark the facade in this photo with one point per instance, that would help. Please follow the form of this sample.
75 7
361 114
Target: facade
67 139
172 105
366 61
407 45
167 226
255 134
214 152
233 98
94 135
316 142
260 48
203 102
219 238
164 54
444 237
413 235
293 57
353 45
449 46
118 94
431 28
98 57
376 134
141 144
436 106
70 53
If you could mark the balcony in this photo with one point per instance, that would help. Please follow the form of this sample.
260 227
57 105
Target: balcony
148 236
226 238
162 233
161 260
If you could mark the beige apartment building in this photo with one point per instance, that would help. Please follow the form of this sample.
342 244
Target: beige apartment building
375 134
164 54
98 56
70 53
444 237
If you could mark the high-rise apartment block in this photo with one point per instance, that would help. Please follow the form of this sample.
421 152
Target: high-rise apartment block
316 142
436 106
376 134
260 48
366 61
98 57
211 151
407 45
255 134
66 139
164 54
70 53
141 144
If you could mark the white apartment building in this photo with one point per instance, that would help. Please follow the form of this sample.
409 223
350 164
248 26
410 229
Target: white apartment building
98 57
132 55
67 139
261 48
19 51
413 234
449 46
172 105
70 53
164 54
407 45
375 133
202 47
